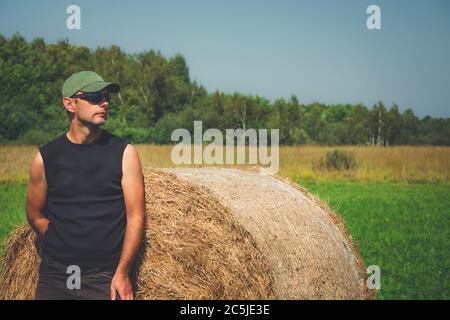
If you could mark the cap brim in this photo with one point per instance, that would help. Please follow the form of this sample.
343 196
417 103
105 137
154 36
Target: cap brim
112 87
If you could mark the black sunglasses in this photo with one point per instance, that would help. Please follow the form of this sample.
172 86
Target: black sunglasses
93 97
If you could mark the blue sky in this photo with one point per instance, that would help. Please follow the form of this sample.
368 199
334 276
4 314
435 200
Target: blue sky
317 50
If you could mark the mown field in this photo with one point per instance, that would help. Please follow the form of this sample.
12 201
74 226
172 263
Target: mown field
396 204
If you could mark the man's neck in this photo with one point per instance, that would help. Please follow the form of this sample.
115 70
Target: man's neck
83 134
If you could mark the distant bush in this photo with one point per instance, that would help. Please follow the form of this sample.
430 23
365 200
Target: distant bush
136 135
121 128
339 160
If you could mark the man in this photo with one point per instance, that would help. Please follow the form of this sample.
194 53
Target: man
86 201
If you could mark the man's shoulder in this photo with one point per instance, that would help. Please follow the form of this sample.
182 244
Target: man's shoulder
116 139
56 141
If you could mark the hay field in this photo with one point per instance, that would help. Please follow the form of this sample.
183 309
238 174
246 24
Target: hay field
404 164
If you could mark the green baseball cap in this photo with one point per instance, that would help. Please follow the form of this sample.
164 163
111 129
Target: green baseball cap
87 81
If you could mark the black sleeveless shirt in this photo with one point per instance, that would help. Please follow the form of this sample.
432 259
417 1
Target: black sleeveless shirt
85 203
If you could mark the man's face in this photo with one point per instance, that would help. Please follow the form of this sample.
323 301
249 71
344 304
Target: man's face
88 113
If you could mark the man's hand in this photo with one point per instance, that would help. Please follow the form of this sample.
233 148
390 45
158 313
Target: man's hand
121 285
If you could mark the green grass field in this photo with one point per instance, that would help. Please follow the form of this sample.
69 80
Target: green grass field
12 207
402 228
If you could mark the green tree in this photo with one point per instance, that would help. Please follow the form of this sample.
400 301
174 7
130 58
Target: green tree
393 125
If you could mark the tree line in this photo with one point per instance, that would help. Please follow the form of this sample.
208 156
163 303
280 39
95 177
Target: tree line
158 96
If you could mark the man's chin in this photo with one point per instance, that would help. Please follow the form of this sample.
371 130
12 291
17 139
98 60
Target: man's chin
94 124
99 122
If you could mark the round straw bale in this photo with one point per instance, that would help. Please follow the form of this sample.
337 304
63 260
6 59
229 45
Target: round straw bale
223 234
310 253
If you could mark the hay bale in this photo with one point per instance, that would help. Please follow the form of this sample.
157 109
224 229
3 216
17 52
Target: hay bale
223 234
20 265
310 253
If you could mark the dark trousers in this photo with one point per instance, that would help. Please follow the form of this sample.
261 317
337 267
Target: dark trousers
58 281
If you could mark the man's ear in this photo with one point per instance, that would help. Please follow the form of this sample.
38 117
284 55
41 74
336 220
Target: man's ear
69 104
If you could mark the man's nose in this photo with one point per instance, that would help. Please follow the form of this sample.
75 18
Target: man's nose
104 104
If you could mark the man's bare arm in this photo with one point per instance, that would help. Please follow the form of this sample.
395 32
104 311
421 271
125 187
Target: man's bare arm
134 195
37 196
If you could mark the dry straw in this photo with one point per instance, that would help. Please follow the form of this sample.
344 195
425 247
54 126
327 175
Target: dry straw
223 234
